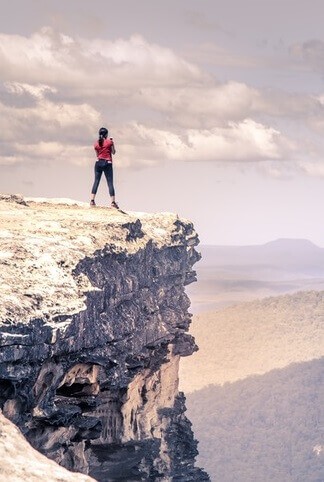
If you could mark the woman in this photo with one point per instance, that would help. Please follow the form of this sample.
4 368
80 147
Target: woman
104 149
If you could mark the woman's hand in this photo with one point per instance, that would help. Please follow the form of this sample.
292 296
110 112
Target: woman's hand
113 150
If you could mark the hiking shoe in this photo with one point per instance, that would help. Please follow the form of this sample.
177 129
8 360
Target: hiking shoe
114 205
92 203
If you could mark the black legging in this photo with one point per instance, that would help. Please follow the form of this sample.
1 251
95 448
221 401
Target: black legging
102 166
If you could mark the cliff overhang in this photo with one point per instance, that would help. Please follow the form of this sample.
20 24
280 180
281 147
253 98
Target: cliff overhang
93 322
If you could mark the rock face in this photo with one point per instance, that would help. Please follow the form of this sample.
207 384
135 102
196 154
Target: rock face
93 321
19 462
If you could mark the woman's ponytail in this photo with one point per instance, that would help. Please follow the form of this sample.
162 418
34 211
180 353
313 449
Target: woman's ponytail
103 134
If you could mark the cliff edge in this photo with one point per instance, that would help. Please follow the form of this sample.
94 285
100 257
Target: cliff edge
93 322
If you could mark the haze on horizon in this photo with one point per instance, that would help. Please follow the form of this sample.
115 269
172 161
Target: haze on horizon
217 109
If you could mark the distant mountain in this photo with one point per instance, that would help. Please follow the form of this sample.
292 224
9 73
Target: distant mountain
286 254
292 243
232 274
264 428
254 338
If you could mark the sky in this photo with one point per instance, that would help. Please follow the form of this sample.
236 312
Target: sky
216 108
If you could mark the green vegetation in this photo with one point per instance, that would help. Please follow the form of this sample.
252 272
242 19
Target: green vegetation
254 338
264 428
259 375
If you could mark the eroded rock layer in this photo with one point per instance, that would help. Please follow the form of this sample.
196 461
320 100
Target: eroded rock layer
93 321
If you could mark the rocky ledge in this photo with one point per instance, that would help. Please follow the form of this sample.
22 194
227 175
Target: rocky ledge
93 322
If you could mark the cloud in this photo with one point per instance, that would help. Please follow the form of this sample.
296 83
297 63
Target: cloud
44 131
212 54
57 90
294 106
312 169
201 106
310 53
44 119
245 141
91 67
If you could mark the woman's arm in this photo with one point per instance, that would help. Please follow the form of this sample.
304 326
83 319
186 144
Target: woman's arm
113 150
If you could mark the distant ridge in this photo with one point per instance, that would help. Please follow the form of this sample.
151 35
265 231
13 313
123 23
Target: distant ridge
292 242
275 242
297 255
254 338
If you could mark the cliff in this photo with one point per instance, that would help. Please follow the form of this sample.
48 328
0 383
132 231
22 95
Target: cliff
93 321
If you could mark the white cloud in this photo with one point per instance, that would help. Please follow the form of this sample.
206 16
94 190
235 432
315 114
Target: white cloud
246 141
46 130
45 119
91 67
313 169
159 105
202 105
37 91
55 150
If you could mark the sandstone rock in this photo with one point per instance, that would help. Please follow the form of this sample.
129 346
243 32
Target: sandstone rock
20 462
93 321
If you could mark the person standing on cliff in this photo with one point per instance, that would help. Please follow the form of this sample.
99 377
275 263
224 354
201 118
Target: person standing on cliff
104 148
